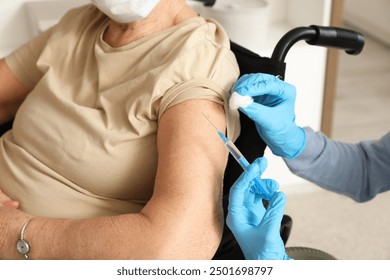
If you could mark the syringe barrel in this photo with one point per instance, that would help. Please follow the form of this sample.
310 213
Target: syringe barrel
244 164
237 154
234 151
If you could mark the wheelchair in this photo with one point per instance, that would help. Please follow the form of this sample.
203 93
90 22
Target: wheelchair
249 142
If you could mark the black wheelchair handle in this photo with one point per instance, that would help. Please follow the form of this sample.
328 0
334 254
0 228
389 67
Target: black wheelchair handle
350 41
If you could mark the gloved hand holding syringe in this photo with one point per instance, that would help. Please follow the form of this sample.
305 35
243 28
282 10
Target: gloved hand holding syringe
238 156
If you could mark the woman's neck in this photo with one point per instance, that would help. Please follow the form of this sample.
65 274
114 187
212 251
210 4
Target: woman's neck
166 14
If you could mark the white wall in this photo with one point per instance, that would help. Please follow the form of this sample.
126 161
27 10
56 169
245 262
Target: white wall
15 27
13 24
371 17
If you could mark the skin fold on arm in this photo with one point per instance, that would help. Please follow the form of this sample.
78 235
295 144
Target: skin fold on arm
183 219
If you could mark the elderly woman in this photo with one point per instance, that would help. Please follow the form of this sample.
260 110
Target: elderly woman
110 156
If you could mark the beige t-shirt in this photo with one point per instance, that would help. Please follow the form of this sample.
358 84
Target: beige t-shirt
84 140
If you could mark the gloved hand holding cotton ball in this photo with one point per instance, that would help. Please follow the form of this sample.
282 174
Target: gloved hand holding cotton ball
270 102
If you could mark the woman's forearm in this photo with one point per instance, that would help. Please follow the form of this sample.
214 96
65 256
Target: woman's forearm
130 236
119 237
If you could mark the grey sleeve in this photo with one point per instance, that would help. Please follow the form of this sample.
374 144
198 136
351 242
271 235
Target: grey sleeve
359 171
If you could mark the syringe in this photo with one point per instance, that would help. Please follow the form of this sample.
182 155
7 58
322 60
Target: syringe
238 156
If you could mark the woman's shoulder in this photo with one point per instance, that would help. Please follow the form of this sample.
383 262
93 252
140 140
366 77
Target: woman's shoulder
200 38
206 31
83 14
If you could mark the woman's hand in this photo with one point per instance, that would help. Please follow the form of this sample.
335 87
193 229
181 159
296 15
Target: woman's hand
5 201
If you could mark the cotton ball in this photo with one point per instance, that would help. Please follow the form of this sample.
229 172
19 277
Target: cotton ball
239 101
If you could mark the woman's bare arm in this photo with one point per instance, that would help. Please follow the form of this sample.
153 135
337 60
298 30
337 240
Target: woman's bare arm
183 219
12 93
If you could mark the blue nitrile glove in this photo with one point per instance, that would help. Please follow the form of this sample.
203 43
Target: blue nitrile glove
273 113
256 229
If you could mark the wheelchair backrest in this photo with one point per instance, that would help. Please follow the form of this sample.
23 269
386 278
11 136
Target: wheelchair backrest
249 141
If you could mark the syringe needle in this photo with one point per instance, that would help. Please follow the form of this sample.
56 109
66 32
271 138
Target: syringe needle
237 155
210 122
223 137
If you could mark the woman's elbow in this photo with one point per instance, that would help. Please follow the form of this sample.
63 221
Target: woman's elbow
193 242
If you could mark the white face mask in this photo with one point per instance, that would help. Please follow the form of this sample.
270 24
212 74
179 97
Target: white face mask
124 11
